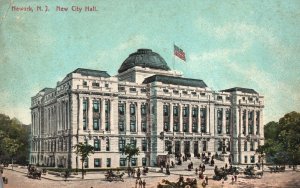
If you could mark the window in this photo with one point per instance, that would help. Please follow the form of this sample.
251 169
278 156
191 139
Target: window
143 90
123 161
95 124
132 89
121 126
133 161
175 92
84 123
203 119
132 109
228 112
194 93
244 122
86 163
144 161
184 92
121 144
106 85
165 90
185 111
195 127
252 159
204 146
220 145
219 98
185 127
84 105
227 98
202 94
257 122
166 110
97 144
84 83
121 88
166 126
144 126
133 142
108 162
251 146
143 110
144 144
195 112
168 146
219 121
132 126
175 110
245 159
121 109
96 106
245 146
175 128
95 84
97 162
107 144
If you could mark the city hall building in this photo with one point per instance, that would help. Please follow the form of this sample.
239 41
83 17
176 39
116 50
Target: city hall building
147 105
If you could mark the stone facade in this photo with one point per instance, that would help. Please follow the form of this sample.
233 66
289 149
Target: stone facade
157 110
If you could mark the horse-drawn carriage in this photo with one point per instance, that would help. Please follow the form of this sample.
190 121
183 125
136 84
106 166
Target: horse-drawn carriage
220 173
34 172
252 172
110 176
191 182
277 168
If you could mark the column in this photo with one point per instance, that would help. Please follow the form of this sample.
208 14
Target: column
102 114
90 114
247 111
190 118
223 121
67 114
180 117
80 113
171 117
58 116
254 122
216 120
127 115
138 117
261 127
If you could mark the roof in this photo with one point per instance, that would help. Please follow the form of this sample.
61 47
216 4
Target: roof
244 90
175 81
46 89
90 72
144 58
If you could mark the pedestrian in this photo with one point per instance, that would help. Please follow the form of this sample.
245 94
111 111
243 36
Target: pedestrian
196 170
206 179
203 184
140 183
235 176
138 173
136 183
232 179
144 183
222 182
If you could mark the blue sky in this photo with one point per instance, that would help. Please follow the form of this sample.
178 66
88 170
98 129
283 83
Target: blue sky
253 44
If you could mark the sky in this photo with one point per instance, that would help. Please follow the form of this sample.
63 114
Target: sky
228 43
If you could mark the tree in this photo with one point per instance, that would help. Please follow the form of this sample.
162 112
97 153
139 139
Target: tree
130 151
84 150
11 147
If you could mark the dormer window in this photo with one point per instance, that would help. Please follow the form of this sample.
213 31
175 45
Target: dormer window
132 89
95 84
219 98
84 83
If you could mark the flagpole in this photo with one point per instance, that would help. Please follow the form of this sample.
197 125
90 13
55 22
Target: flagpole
173 57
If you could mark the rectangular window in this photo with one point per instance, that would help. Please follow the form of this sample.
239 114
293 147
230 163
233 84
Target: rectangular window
144 144
121 88
143 110
84 123
220 144
251 146
97 162
132 126
219 98
203 119
121 126
204 146
107 144
84 105
175 110
108 162
121 109
245 146
184 92
165 90
185 111
228 113
195 112
123 161
97 145
219 120
121 144
185 127
95 124
166 110
245 159
252 159
133 142
166 126
132 89
132 109
84 83
175 92
143 90
144 126
106 85
96 106
95 84
194 127
133 161
144 161
175 128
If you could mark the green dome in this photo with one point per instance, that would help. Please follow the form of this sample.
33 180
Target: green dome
144 58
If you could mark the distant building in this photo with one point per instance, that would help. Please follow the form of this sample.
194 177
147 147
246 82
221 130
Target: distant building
147 105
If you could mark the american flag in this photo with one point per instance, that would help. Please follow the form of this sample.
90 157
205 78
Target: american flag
179 52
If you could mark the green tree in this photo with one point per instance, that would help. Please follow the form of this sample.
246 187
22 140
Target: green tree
83 150
130 151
